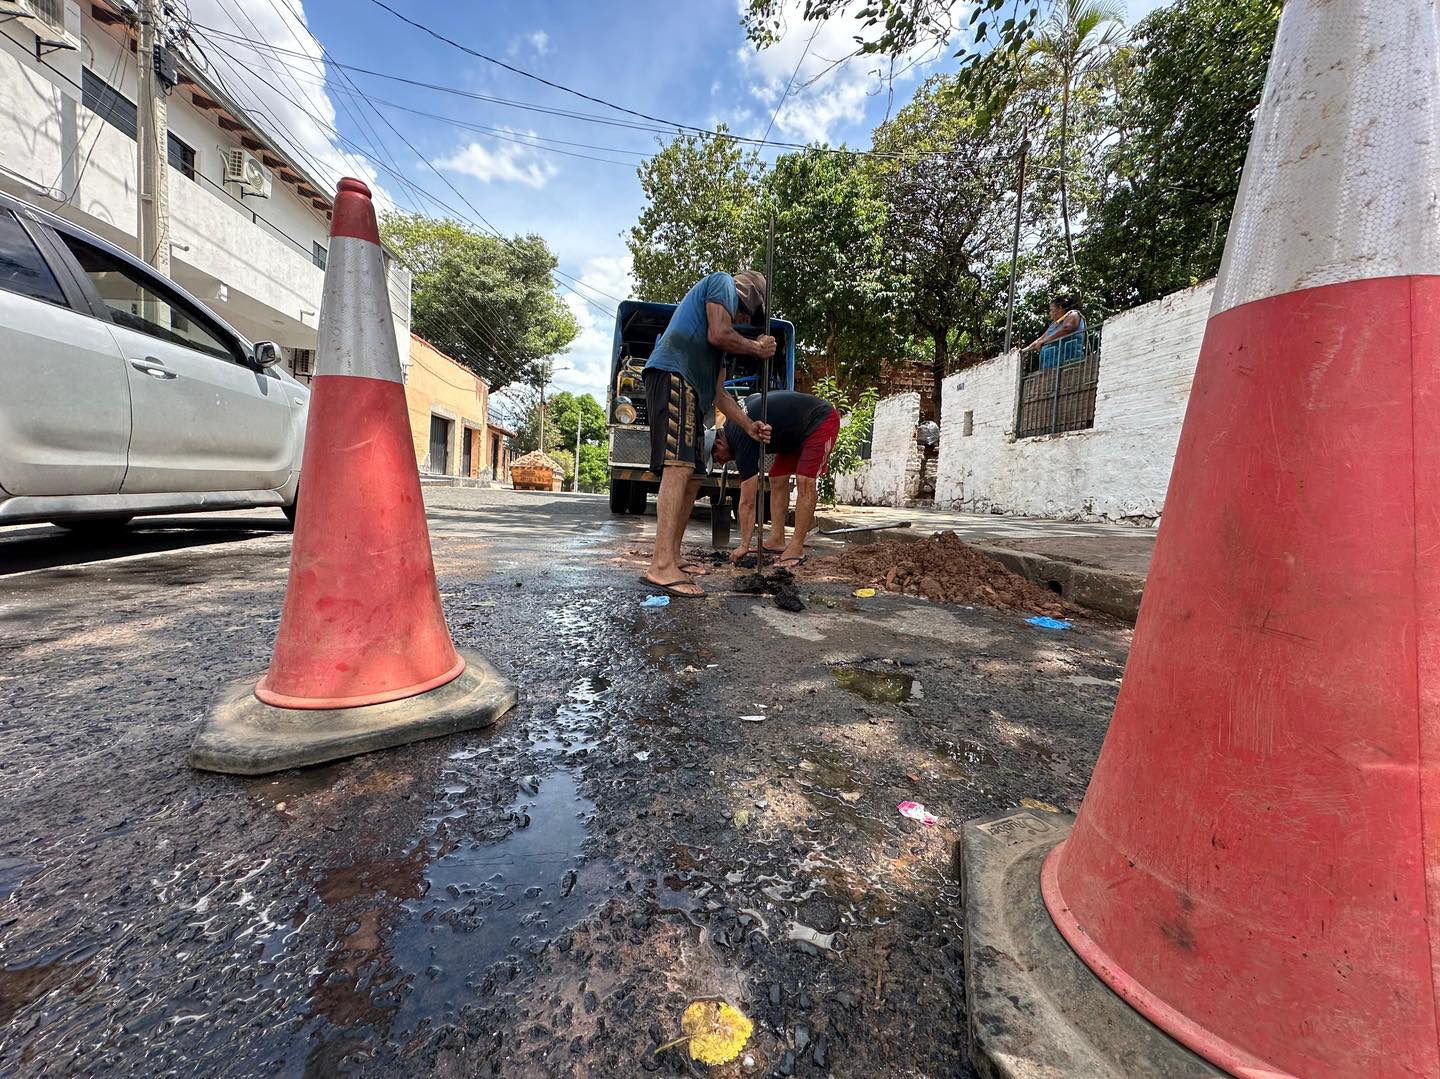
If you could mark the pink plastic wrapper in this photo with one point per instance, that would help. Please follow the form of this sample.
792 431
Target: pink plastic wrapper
915 811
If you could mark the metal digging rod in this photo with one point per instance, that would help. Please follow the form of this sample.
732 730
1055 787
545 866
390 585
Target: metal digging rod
764 494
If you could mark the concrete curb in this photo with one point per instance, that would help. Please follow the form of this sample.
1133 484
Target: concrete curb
1102 590
245 736
1035 1010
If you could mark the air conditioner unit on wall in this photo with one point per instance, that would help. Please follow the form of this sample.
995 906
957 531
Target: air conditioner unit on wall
302 361
245 169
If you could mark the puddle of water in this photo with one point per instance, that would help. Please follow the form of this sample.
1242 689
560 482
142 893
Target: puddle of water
572 731
967 761
890 687
483 901
298 783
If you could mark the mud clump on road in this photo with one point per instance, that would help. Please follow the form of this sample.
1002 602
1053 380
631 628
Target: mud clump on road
942 569
779 583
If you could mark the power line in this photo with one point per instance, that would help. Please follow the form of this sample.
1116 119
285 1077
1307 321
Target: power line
654 125
556 272
791 82
491 337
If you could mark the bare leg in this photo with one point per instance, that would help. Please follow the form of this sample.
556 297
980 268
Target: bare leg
682 519
779 511
807 495
672 513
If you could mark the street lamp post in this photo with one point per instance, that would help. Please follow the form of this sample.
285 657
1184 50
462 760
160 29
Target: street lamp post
579 422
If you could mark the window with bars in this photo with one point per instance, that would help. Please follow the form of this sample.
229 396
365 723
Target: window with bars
52 11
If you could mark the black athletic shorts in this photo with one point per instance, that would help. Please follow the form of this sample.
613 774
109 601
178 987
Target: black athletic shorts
677 430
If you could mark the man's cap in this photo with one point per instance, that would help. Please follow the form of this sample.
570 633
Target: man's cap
754 293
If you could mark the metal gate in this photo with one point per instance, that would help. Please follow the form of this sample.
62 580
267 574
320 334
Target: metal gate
1060 394
439 446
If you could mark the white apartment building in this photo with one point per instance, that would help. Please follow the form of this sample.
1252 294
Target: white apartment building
68 82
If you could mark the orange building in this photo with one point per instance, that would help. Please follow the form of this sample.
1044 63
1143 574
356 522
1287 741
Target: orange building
450 417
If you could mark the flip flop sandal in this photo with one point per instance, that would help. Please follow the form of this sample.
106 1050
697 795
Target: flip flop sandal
671 590
694 569
791 563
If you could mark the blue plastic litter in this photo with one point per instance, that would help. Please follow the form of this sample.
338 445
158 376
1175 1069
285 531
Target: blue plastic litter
656 601
1048 623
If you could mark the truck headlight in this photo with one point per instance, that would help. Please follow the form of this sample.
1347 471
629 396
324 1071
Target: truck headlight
624 410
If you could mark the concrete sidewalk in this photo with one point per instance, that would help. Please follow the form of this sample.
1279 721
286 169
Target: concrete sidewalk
1100 566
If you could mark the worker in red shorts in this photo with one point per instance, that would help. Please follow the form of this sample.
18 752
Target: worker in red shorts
803 429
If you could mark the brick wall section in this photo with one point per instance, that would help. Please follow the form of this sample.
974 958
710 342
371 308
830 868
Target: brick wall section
1118 470
892 475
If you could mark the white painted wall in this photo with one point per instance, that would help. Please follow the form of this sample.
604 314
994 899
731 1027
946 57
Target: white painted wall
1116 471
892 475
250 259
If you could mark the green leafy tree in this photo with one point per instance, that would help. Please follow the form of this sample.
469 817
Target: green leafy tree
487 302
702 214
1075 47
948 219
562 411
853 435
837 285
1183 118
594 468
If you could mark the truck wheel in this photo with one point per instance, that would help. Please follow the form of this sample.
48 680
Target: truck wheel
638 498
620 496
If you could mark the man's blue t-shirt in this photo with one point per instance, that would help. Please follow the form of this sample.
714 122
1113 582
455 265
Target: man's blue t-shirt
685 346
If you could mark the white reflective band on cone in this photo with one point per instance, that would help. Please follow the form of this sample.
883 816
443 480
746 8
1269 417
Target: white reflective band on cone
357 333
1340 181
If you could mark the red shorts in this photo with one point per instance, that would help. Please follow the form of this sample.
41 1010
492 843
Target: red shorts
814 453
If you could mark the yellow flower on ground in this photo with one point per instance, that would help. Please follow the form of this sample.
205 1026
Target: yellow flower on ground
717 1031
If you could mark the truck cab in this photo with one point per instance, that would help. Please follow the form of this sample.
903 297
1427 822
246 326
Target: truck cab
638 326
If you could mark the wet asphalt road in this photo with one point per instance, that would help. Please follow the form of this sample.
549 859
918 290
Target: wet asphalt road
542 898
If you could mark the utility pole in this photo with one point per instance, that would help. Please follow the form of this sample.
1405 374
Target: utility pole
1010 306
1015 247
151 133
579 422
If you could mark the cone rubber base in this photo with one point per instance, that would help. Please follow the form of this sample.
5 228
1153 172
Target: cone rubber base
245 736
1035 1010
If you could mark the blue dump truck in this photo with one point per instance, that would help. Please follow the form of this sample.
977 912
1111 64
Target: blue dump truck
638 325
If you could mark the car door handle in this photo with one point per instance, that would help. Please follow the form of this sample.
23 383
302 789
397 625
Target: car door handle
152 367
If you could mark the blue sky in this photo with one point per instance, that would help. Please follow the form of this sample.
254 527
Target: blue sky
686 62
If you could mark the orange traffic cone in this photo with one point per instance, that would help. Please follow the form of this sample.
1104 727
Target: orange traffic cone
1256 865
364 658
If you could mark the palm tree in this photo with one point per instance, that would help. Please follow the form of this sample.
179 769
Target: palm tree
1076 42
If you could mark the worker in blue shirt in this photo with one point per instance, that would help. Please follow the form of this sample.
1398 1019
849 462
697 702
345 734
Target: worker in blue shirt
684 380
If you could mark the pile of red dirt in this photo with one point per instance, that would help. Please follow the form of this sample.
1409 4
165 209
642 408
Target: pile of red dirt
943 569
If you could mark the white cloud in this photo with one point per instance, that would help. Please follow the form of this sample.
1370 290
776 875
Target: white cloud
589 355
285 94
508 163
536 42
840 90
